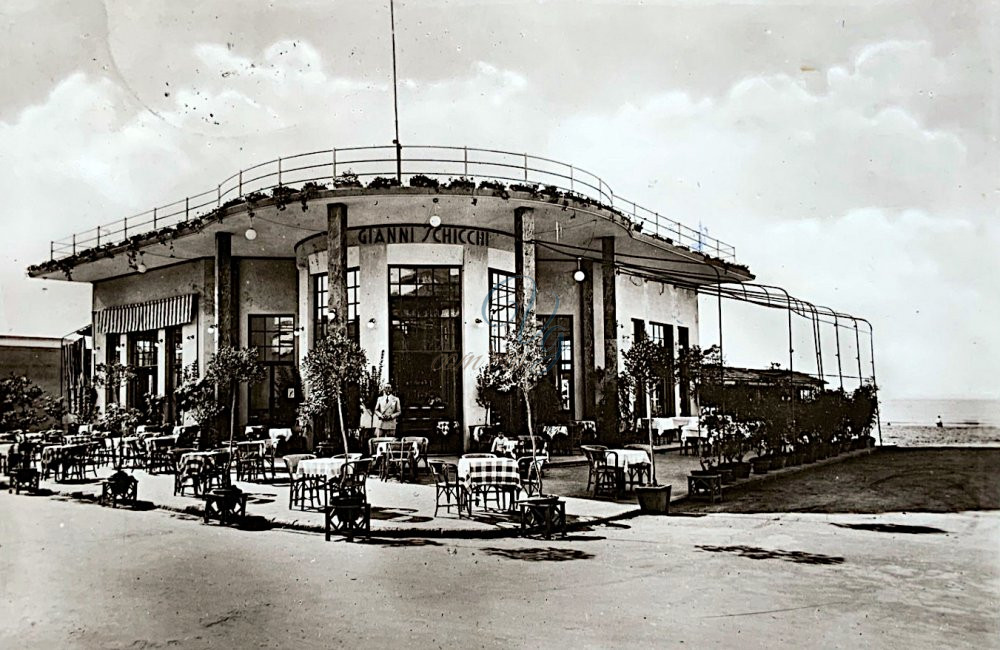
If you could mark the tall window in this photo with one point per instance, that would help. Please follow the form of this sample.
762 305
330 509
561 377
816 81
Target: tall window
661 401
321 296
273 401
142 358
683 342
112 342
175 369
503 308
558 340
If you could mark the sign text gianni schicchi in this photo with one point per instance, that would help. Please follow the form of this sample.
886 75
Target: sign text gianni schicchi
423 235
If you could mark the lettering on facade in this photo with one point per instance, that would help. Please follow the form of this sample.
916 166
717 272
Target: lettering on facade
422 235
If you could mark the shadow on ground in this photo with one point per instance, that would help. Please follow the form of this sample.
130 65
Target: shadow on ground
549 554
756 553
894 528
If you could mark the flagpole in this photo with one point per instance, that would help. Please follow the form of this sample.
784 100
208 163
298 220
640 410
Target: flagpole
395 99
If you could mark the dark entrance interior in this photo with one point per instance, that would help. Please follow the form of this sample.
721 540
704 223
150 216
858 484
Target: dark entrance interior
273 402
425 342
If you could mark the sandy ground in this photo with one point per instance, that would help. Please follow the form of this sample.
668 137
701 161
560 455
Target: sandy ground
922 479
81 576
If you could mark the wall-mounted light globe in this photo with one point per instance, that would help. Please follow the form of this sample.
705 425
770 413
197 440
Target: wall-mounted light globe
250 234
371 323
140 267
579 275
435 221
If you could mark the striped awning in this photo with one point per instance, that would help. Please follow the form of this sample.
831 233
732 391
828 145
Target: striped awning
144 316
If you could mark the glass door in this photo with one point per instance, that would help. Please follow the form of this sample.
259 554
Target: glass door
425 342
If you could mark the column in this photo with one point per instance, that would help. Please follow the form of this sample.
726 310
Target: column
336 261
524 264
587 339
225 303
610 302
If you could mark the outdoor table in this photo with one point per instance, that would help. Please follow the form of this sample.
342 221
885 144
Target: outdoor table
481 475
503 446
691 437
160 441
382 446
275 434
327 468
624 458
64 457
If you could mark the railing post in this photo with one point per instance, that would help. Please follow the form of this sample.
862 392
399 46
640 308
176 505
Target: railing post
52 252
154 218
571 189
74 243
279 172
218 195
240 191
125 228
187 207
465 151
525 168
98 229
333 179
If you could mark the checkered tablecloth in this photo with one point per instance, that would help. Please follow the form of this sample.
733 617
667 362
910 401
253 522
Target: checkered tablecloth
323 467
210 457
556 430
488 471
160 441
626 457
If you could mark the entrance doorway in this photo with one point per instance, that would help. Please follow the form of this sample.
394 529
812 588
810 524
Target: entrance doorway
425 312
273 402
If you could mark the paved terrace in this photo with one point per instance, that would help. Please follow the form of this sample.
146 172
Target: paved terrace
407 509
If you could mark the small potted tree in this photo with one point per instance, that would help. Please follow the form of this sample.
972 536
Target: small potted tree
328 369
229 368
647 362
518 367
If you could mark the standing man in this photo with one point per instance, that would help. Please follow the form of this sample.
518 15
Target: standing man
387 411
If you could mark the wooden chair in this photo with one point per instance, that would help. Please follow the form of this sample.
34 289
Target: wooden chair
603 473
250 464
447 485
422 445
531 475
398 461
119 487
354 477
189 476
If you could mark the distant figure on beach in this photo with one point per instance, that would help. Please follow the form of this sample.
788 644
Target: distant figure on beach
939 422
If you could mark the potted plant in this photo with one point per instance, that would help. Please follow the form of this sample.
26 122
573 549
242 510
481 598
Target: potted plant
196 398
647 361
227 369
327 370
518 367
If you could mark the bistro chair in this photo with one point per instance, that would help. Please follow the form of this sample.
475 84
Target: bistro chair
216 472
531 475
160 459
250 463
353 480
422 444
189 475
603 475
448 486
301 488
639 473
398 459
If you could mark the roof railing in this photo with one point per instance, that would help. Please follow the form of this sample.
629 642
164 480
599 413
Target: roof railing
434 161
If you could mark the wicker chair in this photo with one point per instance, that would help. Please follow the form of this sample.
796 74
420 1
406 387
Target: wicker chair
602 474
422 445
398 459
531 475
447 485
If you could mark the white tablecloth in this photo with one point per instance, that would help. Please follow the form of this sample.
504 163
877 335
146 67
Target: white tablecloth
382 446
274 434
324 467
628 457
503 446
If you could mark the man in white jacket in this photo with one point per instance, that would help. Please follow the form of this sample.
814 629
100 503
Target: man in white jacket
387 412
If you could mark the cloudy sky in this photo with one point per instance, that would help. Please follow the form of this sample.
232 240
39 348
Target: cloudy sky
848 150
